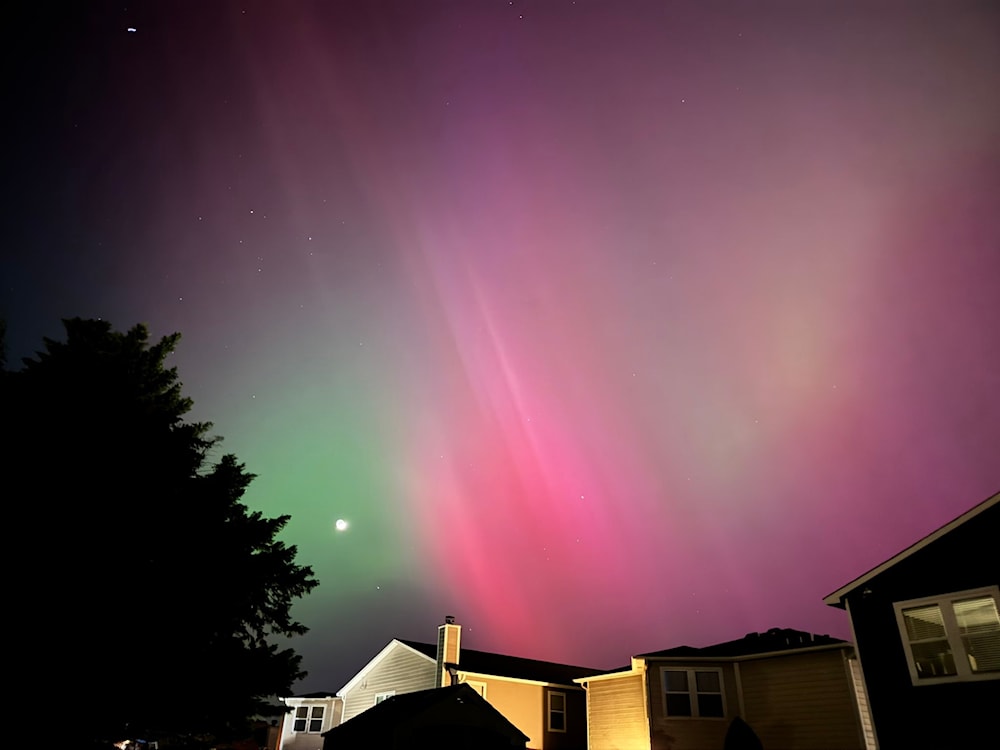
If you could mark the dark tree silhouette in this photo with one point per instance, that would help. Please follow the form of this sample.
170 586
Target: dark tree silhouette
740 736
149 599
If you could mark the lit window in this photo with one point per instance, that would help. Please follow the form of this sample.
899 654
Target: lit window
308 719
951 638
379 697
693 692
557 712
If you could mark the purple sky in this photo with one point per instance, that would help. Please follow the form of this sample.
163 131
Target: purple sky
607 326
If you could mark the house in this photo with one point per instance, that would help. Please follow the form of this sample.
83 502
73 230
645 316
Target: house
308 717
793 689
927 632
456 717
540 698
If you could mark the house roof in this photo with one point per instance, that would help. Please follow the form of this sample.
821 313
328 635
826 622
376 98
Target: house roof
499 665
836 599
393 644
453 705
773 641
315 695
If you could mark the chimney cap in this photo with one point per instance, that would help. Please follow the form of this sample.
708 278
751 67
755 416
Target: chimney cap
449 619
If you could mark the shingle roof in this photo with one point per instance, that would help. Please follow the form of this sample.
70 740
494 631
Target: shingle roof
775 639
483 662
378 724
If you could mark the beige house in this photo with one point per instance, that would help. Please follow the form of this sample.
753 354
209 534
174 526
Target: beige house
794 690
540 698
308 717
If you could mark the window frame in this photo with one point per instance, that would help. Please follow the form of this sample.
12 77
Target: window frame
944 603
563 711
309 718
692 692
383 695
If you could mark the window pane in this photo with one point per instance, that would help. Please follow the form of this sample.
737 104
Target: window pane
709 704
678 704
557 721
979 626
557 701
300 725
301 712
707 682
933 659
315 725
675 681
317 712
977 615
924 622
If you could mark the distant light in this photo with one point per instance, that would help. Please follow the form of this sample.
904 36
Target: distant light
131 29
341 524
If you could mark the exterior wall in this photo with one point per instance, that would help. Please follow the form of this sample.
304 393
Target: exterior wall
908 715
802 701
402 670
683 733
291 740
525 705
616 714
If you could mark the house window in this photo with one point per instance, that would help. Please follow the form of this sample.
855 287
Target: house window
379 697
308 719
952 638
693 692
557 712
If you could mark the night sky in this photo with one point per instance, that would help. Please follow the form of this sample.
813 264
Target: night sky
607 326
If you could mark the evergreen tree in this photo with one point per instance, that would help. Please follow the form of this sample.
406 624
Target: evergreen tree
150 596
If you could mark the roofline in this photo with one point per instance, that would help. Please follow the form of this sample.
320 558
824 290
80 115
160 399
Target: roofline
750 657
836 598
609 676
522 680
330 697
377 658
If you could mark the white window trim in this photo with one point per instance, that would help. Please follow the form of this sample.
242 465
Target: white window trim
309 719
383 695
564 711
965 674
693 692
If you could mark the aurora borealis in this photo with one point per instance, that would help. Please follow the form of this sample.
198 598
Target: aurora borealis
606 326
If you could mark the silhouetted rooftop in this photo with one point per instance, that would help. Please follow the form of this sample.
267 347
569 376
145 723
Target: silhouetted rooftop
453 706
775 639
483 662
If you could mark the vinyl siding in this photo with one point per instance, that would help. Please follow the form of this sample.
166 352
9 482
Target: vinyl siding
401 670
803 701
525 705
616 714
688 733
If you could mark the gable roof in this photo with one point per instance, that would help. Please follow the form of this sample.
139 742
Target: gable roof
836 599
774 640
456 705
515 667
390 646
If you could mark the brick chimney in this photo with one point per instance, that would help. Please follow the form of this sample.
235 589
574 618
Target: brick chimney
448 649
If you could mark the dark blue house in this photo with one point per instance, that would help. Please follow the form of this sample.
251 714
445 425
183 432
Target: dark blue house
927 632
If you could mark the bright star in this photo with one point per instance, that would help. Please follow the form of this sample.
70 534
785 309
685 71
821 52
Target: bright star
341 524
